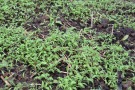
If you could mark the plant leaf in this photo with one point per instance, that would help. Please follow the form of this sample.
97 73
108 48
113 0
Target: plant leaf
125 37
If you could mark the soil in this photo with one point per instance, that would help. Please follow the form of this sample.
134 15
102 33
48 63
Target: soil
19 74
39 22
104 26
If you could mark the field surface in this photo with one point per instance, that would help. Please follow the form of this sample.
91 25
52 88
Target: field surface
67 45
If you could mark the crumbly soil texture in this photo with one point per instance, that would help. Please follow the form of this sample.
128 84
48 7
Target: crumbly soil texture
104 26
123 35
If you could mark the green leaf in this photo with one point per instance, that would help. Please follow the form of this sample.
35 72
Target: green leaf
3 64
2 16
125 37
59 22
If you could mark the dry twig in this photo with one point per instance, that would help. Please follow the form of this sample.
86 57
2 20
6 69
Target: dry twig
5 81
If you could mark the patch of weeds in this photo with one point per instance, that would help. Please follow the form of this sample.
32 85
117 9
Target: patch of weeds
66 60
11 67
15 12
72 58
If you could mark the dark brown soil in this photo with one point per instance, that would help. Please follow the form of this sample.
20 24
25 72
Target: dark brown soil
39 22
42 21
19 74
120 33
103 26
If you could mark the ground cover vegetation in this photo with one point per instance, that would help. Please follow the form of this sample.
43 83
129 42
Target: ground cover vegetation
67 45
